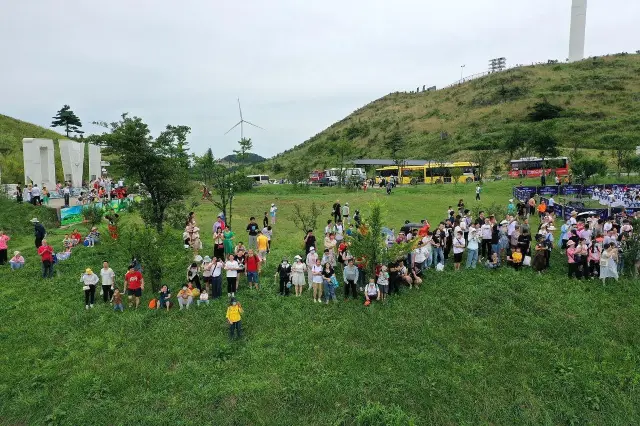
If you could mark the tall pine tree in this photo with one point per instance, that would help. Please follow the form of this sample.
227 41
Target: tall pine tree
69 120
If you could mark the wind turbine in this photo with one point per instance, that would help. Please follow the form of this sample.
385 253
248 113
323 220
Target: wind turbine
241 123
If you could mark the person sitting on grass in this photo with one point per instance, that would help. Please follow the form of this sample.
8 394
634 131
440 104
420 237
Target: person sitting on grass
163 301
515 259
92 238
204 298
185 297
117 300
371 292
76 237
17 261
493 263
67 242
234 317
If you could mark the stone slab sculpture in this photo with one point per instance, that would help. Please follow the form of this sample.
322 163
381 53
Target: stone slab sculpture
95 162
72 155
39 162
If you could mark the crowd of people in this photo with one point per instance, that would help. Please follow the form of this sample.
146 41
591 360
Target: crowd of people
100 189
592 247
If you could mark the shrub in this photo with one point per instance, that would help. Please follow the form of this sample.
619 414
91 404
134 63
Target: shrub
92 215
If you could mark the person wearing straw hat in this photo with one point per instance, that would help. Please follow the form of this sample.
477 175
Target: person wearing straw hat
89 281
17 261
297 274
39 231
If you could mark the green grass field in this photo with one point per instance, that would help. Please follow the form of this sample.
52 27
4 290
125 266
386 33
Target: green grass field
473 347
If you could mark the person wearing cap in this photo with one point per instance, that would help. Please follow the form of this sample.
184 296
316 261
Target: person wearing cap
297 274
571 260
108 281
273 211
89 281
39 231
17 261
234 318
133 285
312 258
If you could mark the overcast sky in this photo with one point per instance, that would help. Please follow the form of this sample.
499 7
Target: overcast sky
296 65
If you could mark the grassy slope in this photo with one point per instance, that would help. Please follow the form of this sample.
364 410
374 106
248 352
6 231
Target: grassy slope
12 131
600 96
467 348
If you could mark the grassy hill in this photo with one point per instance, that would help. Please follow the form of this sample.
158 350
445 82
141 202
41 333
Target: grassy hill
598 96
12 131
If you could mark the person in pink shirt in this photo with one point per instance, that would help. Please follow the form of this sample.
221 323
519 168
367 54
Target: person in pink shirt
17 261
3 247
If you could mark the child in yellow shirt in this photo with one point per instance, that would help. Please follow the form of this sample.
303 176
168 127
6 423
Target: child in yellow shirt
516 259
233 317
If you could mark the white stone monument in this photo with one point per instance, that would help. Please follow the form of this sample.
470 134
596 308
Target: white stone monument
39 162
72 155
95 159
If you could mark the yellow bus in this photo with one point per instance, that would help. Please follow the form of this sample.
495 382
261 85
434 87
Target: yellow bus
429 173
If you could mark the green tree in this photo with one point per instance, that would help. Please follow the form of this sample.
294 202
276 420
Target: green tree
631 164
342 151
583 168
544 111
245 148
369 243
205 167
157 164
395 144
66 118
483 158
456 174
514 141
622 147
544 144
306 220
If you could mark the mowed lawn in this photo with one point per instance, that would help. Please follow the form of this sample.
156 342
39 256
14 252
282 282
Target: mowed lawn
473 347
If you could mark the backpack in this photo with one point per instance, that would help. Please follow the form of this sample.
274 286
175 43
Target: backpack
153 303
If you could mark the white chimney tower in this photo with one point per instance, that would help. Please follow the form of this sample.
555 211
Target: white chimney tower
578 28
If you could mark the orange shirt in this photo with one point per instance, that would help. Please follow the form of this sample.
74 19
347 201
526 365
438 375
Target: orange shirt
542 208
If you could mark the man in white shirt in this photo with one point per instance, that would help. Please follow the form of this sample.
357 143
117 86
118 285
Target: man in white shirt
513 222
419 257
35 195
66 193
108 281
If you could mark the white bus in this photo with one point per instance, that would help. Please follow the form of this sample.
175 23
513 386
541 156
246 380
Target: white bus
347 175
259 179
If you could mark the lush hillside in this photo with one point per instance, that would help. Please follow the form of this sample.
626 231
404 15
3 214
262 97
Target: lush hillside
12 132
597 96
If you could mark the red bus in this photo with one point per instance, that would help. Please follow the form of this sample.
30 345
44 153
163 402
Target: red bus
316 175
532 167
